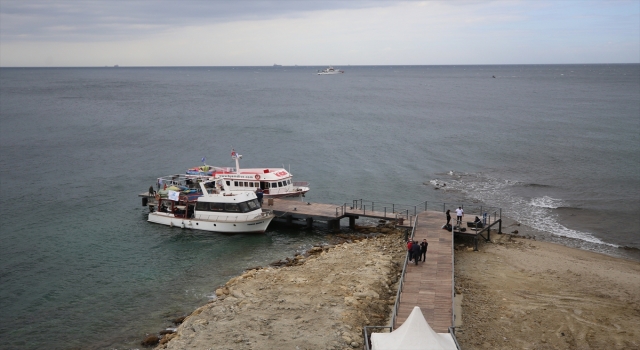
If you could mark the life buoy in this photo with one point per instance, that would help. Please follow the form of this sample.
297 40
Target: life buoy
257 177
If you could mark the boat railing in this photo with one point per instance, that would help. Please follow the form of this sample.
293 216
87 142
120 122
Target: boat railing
391 209
233 218
300 183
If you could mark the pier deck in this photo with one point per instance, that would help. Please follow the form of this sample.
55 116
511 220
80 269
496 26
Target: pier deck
429 284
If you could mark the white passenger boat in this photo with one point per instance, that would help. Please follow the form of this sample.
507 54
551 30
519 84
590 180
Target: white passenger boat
273 182
213 208
330 70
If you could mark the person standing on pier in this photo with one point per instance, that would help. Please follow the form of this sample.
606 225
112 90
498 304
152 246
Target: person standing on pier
459 214
448 217
259 194
423 250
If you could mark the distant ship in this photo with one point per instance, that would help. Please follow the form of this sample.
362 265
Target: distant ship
277 65
330 70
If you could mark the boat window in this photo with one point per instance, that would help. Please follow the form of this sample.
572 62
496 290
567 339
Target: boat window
228 183
217 206
202 206
246 184
250 184
233 207
235 183
288 182
280 184
243 207
253 204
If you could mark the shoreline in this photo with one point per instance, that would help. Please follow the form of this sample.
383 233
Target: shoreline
515 228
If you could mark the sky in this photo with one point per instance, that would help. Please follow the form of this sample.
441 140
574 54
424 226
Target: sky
85 33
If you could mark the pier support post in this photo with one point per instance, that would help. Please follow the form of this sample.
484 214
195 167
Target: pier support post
500 226
352 223
289 219
334 225
309 222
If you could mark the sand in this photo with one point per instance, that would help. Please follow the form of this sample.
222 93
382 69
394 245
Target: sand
524 294
516 294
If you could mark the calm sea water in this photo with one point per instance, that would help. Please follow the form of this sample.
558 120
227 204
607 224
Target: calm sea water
557 147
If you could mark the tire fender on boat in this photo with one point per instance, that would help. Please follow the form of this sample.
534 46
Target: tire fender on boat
257 177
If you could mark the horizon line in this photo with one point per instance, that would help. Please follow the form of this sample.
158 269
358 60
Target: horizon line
344 65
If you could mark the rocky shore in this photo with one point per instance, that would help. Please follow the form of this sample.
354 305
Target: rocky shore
320 300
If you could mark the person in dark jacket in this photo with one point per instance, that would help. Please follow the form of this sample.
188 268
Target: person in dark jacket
260 195
415 252
423 250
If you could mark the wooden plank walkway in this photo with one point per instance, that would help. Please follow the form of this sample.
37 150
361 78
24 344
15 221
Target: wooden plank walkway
299 209
429 284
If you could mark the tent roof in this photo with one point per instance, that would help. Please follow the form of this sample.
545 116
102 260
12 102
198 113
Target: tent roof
414 334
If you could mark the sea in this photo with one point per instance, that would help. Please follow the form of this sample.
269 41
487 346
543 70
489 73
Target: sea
556 148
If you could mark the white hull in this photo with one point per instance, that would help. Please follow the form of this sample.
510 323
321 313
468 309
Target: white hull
215 223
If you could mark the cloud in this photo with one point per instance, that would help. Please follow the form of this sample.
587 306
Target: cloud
203 33
72 21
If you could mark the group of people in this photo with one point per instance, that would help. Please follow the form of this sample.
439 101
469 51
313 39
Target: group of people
417 251
459 215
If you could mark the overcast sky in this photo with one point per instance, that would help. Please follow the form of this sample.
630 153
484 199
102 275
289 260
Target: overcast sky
259 33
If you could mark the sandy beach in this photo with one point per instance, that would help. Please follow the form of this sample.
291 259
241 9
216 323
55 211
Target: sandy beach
524 294
516 293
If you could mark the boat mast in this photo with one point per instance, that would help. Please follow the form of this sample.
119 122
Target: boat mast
235 156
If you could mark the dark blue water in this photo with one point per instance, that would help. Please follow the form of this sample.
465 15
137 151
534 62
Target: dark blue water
557 147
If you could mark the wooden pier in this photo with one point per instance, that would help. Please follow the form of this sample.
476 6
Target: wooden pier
294 211
429 284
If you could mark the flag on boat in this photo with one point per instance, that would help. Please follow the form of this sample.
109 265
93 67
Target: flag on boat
234 155
203 159
173 195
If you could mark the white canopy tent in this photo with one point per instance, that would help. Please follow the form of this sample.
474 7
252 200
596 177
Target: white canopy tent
414 334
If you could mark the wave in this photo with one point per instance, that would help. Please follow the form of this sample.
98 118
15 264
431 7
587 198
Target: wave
536 185
538 213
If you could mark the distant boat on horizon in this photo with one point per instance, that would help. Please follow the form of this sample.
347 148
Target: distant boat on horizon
277 65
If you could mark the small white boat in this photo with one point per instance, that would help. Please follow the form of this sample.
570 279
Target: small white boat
330 70
213 209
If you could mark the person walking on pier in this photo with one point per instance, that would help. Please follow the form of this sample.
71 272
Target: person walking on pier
415 251
409 244
423 250
459 214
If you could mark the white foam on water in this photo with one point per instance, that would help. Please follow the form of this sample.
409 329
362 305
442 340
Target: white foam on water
536 212
546 202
